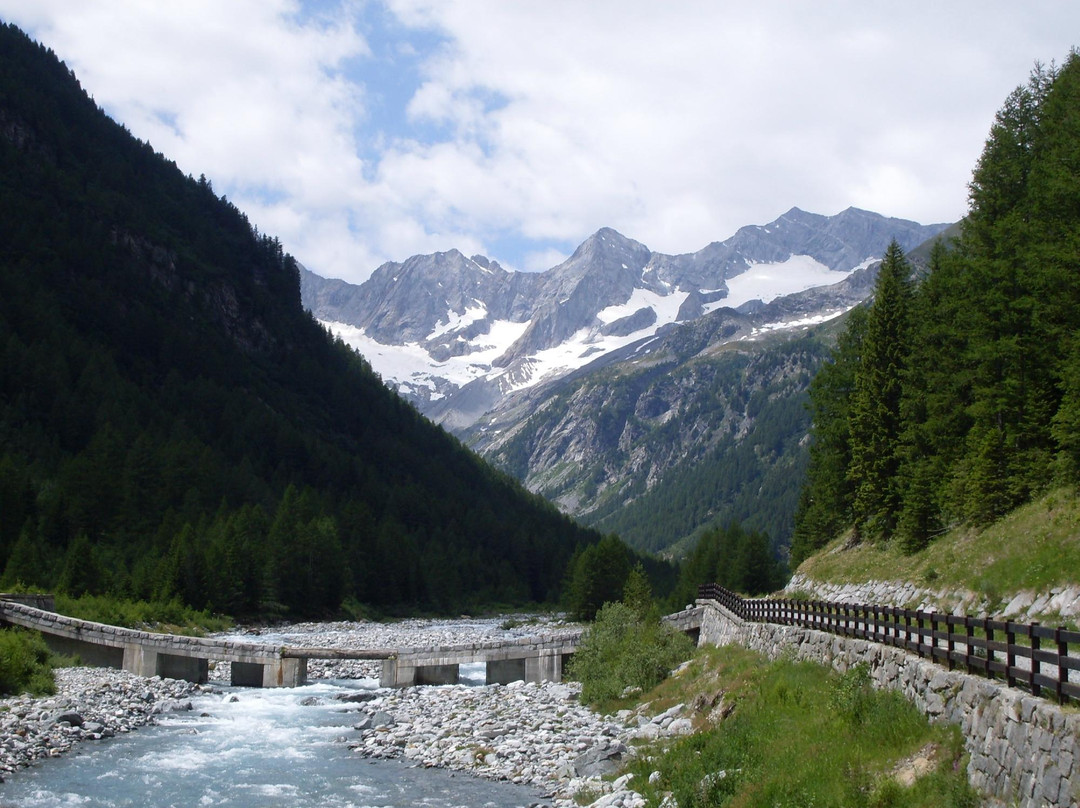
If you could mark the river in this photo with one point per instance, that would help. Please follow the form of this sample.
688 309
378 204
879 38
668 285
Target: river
247 747
242 747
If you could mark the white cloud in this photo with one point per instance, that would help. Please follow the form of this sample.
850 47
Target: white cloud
368 132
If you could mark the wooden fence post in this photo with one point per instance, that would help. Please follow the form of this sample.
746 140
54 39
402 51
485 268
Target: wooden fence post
1036 668
1010 655
969 652
1063 672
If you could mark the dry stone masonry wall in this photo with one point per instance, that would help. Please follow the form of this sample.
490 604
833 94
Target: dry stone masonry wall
1059 604
1024 750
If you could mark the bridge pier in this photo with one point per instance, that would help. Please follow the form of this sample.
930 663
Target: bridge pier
145 661
406 673
140 660
285 672
545 666
504 671
278 673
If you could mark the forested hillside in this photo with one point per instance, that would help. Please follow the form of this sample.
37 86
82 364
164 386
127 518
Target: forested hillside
174 424
956 396
742 420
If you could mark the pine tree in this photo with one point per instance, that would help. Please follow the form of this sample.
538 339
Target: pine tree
1021 246
934 404
875 411
825 501
637 592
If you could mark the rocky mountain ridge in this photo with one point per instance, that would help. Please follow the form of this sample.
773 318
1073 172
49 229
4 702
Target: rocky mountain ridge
456 335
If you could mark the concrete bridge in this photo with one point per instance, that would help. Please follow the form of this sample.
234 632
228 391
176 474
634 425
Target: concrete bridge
146 653
532 659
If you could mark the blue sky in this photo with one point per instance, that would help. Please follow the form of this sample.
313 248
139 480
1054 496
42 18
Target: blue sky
361 132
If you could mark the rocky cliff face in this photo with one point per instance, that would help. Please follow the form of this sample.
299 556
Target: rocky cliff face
690 428
456 334
646 394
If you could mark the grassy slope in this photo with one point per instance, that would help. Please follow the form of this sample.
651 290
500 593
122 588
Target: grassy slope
1035 548
795 734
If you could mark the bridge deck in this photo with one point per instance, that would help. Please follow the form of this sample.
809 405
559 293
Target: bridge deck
150 653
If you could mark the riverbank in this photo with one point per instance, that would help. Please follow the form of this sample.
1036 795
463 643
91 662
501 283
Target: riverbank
90 704
539 736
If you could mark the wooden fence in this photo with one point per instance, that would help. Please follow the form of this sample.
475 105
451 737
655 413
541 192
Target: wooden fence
1025 655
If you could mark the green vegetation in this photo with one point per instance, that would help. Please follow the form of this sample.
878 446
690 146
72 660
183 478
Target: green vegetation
752 405
25 664
175 428
955 400
1036 548
796 734
624 649
170 617
735 558
599 573
627 645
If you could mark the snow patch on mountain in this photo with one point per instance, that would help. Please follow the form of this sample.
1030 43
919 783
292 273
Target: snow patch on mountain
410 366
766 282
802 322
665 306
457 322
456 334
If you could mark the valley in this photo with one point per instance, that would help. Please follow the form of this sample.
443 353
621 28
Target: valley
623 383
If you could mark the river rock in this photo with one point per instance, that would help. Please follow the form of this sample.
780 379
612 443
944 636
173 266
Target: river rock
72 719
90 704
600 760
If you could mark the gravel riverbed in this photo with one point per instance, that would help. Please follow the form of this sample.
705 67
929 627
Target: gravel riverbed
90 704
538 735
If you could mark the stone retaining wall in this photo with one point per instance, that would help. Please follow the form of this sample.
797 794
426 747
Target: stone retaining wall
1024 750
1058 604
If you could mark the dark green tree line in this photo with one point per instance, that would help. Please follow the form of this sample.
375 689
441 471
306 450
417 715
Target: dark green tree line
174 425
962 403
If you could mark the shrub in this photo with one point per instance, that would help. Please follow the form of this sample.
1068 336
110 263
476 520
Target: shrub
852 695
623 649
170 616
24 664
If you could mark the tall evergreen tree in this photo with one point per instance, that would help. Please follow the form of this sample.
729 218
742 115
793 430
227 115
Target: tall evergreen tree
875 409
987 355
935 402
1020 246
826 497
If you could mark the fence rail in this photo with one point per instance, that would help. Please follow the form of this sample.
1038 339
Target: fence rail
1026 655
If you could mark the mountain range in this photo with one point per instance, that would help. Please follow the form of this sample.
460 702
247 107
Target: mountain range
456 335
623 383
175 427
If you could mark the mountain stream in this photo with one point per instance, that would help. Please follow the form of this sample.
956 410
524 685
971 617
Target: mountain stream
243 747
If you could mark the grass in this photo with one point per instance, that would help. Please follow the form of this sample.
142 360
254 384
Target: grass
169 617
25 664
796 734
1037 548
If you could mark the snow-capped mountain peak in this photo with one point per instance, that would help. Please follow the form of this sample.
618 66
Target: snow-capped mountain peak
455 334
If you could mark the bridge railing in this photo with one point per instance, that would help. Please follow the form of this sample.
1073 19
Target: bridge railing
1034 657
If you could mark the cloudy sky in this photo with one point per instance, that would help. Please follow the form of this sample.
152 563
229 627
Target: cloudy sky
360 131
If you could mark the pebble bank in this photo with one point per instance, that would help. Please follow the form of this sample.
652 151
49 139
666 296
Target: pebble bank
538 735
90 704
